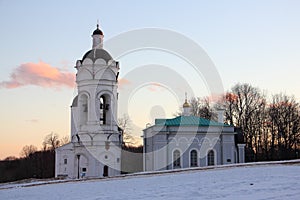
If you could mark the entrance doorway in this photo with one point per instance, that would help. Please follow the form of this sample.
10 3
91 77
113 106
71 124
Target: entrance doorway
105 170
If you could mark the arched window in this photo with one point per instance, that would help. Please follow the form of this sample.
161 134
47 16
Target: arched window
83 109
211 158
176 159
102 110
193 158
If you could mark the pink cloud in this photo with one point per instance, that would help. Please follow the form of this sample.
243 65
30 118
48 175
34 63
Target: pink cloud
155 87
122 82
39 74
215 97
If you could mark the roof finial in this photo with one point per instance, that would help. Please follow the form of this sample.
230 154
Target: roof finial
185 96
186 104
186 107
98 31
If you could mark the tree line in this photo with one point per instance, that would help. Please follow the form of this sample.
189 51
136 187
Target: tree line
33 163
271 127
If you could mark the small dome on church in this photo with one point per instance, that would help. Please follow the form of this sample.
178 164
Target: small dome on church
95 54
186 104
97 31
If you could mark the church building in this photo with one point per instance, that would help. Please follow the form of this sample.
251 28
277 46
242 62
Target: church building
190 141
95 147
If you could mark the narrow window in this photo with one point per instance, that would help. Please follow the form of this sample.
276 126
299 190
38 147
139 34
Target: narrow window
211 158
176 159
105 171
194 159
102 110
83 109
65 161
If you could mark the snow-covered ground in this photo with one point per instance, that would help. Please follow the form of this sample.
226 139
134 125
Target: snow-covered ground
247 182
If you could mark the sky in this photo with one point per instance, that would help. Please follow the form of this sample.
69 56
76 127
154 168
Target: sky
254 42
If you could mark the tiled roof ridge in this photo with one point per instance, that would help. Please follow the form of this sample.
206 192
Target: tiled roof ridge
188 120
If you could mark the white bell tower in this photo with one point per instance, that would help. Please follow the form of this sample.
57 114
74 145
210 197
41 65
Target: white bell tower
95 148
97 82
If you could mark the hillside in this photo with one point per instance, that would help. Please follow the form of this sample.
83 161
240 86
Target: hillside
263 181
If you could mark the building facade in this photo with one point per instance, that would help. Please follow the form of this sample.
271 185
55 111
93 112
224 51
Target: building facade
95 147
189 141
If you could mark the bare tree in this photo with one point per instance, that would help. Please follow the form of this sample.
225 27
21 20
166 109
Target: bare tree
202 107
229 102
195 106
27 150
285 118
64 140
51 141
243 108
125 124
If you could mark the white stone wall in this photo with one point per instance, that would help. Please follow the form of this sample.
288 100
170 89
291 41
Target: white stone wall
160 145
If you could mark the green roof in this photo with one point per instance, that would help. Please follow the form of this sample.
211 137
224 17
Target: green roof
187 121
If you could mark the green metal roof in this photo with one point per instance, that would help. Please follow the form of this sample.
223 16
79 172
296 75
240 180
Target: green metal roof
187 121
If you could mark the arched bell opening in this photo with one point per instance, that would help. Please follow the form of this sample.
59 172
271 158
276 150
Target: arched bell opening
105 109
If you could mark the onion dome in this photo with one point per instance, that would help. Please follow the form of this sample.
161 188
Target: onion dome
186 104
97 31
